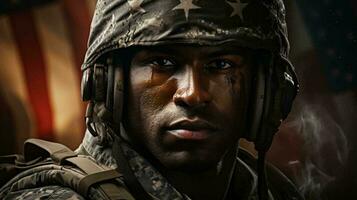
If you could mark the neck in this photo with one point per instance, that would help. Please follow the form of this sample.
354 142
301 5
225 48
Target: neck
211 183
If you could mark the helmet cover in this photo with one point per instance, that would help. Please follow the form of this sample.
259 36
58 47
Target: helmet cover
256 24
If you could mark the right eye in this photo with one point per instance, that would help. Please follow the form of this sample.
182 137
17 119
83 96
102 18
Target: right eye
162 63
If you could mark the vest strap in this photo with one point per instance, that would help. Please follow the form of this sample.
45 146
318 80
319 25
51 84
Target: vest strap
108 180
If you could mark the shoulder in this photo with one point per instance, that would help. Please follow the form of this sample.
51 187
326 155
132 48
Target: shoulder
279 185
46 192
49 171
46 181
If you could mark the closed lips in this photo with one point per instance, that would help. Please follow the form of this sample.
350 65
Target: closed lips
191 129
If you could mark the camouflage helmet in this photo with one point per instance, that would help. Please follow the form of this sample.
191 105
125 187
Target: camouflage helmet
257 24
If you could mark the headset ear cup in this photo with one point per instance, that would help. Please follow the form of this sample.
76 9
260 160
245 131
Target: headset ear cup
257 104
290 91
87 84
265 133
281 90
110 85
99 83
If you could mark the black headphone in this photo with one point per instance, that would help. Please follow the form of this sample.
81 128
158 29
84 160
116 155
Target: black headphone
276 86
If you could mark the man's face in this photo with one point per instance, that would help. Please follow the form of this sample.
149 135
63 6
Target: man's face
186 105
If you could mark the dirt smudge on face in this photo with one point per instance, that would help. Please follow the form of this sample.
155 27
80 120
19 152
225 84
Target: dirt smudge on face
231 80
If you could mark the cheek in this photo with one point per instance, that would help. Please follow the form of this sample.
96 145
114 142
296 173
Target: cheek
145 87
139 78
239 83
136 116
229 90
156 97
149 93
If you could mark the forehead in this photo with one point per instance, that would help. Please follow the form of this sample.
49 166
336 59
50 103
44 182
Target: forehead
193 50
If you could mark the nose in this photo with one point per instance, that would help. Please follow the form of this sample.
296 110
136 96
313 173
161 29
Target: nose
191 90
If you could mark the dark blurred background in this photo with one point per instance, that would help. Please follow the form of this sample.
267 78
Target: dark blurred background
42 44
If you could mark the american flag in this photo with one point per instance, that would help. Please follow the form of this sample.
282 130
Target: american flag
41 51
333 28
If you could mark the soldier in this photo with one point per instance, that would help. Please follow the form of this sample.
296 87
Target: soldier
172 86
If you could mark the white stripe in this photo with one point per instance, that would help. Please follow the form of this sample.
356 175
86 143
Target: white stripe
11 72
13 85
63 81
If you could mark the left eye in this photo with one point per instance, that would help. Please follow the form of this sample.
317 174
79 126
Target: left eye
220 65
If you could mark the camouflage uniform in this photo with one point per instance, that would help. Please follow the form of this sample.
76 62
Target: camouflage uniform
38 184
48 192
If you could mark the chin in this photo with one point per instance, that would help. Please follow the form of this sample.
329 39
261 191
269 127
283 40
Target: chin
183 161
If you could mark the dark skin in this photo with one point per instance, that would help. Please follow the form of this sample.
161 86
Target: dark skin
186 111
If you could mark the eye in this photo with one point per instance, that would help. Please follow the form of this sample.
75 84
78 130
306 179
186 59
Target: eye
163 63
220 64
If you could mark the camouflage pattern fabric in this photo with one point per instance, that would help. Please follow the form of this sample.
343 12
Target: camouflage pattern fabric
248 23
49 192
48 181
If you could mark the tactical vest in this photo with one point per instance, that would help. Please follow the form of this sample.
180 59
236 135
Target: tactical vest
79 172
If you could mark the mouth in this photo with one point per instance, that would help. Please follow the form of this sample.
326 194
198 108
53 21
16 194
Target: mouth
187 129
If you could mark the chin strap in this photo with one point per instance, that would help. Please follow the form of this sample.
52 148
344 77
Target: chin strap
232 171
89 119
263 193
130 179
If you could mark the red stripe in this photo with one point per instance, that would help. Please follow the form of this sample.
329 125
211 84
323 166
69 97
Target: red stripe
78 19
34 67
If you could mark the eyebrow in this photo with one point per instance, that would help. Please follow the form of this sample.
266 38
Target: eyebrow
163 50
214 51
